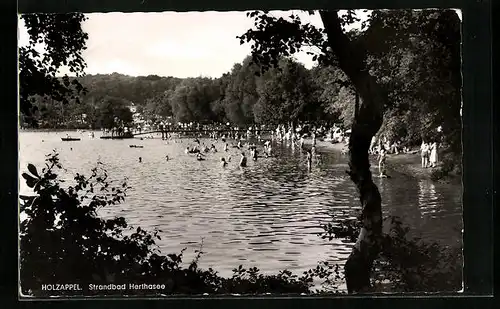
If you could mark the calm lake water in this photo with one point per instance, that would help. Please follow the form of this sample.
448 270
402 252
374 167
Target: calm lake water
265 215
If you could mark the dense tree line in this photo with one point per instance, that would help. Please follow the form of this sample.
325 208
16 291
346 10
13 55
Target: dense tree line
419 72
418 62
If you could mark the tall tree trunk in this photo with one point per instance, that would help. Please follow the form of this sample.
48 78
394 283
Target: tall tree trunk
367 121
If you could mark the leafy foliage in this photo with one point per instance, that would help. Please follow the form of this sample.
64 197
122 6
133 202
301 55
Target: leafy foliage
422 52
63 40
113 113
286 94
275 38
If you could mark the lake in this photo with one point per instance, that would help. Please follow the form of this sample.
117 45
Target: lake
266 215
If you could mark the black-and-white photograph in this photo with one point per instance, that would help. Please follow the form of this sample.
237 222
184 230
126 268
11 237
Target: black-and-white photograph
240 153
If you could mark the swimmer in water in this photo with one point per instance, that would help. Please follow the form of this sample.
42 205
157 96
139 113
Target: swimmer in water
167 158
243 160
223 162
199 157
140 159
71 148
187 150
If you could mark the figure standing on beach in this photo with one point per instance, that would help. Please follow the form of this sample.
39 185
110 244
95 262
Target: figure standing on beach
424 151
140 159
223 162
433 158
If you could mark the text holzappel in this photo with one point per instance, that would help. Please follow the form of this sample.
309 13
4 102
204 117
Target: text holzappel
61 287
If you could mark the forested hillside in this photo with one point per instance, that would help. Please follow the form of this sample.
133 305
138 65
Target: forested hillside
417 62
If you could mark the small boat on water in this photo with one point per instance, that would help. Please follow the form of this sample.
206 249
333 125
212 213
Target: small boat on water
119 136
135 146
70 139
115 137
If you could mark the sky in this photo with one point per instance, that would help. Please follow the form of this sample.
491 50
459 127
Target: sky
187 44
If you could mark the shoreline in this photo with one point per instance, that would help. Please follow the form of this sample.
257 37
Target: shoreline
56 130
403 163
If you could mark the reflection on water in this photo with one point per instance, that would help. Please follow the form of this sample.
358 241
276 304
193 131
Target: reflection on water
427 198
266 215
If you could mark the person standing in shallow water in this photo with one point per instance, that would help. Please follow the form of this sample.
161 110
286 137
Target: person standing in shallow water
243 160
140 159
433 158
424 152
309 159
381 162
254 154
